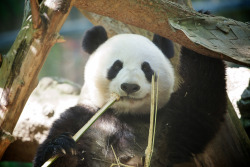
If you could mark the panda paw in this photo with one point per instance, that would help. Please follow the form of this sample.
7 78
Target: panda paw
62 145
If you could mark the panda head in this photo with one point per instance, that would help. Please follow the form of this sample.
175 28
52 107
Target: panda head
124 64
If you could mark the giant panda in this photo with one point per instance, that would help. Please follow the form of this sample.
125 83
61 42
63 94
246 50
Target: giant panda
189 116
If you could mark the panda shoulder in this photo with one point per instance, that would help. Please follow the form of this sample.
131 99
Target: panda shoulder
72 119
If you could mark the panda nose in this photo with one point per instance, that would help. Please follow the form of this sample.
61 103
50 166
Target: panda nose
130 88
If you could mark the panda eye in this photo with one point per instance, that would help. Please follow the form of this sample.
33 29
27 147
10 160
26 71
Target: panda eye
147 70
114 69
117 65
145 67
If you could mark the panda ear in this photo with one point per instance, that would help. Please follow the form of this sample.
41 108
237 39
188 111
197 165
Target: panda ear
93 38
165 45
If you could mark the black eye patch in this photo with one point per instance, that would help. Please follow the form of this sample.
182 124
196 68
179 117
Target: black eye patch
114 69
146 68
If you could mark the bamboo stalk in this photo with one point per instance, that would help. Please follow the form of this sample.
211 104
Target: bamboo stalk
155 116
152 128
113 99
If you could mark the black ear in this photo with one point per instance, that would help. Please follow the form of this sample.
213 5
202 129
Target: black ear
93 38
165 45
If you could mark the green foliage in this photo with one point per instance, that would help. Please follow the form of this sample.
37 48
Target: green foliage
15 164
11 14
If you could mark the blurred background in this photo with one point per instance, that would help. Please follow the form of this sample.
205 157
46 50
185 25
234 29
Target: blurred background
67 60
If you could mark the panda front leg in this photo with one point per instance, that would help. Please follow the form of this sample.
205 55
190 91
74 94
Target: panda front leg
60 142
63 146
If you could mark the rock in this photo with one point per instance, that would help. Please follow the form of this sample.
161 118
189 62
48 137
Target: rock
244 103
244 107
237 81
51 97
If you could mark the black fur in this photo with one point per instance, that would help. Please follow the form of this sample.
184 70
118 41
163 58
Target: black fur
114 69
166 45
184 126
146 68
93 38
195 112
70 121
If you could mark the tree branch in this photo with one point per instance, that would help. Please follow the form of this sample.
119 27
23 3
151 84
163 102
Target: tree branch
21 65
114 27
35 14
209 35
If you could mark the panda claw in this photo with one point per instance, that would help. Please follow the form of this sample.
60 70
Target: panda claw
73 151
63 151
63 145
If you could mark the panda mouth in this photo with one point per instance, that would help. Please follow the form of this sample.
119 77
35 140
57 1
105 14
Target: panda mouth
131 98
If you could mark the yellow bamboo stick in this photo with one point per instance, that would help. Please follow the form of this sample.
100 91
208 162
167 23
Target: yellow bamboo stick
113 99
153 114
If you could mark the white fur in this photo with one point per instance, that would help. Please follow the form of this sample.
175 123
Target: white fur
132 50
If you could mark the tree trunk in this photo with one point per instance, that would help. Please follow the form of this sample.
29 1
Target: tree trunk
114 27
21 65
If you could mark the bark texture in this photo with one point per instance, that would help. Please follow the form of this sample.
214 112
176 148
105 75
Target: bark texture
209 35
